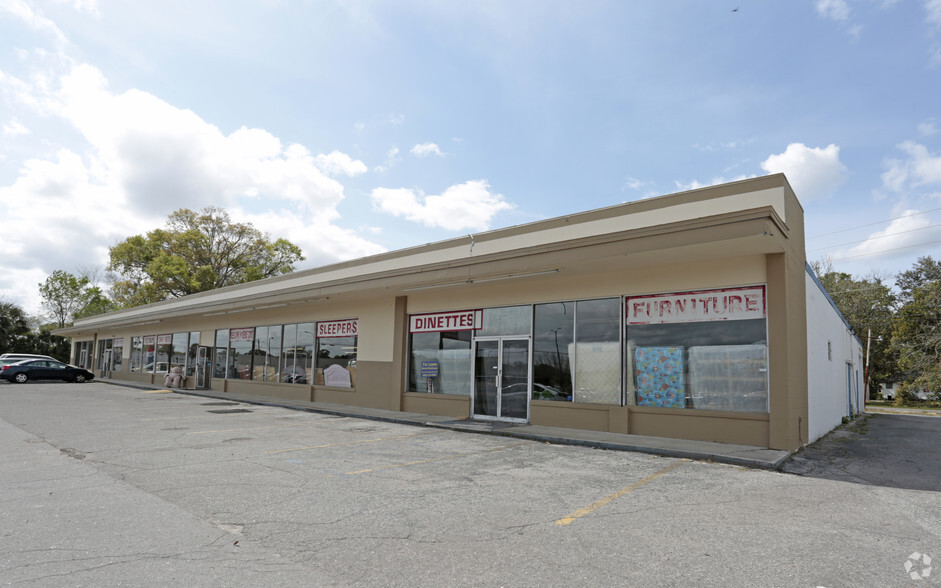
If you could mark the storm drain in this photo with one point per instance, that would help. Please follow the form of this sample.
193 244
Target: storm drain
229 411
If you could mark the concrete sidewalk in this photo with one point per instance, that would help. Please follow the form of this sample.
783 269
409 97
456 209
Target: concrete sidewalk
742 455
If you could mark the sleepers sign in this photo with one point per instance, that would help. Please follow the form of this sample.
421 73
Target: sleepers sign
459 320
685 307
344 328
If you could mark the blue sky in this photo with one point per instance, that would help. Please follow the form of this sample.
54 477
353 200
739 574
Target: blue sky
354 127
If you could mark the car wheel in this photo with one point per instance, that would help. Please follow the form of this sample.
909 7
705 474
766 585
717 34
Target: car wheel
79 379
21 378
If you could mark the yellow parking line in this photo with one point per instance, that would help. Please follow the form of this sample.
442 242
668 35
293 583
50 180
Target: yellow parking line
596 505
411 463
348 443
158 391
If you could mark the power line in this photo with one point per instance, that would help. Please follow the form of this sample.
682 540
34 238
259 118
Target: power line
884 251
875 223
879 237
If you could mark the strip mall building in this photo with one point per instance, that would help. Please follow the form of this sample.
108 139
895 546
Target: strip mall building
692 315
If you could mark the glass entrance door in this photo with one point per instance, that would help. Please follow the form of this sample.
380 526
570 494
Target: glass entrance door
202 368
501 379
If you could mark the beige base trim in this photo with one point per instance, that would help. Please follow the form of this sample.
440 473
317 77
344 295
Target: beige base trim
438 404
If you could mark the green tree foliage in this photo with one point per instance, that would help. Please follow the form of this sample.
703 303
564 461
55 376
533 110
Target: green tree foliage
925 271
196 252
917 337
14 326
67 297
869 306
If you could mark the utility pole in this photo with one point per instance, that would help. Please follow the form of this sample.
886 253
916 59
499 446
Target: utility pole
866 368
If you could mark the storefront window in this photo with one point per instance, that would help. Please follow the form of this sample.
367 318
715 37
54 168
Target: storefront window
178 349
304 353
267 353
191 353
553 336
117 354
336 352
104 346
291 372
699 350
240 352
440 362
164 349
150 353
597 351
220 354
508 320
137 354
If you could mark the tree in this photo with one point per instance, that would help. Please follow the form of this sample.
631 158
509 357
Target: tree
196 252
67 297
924 271
917 337
869 306
13 327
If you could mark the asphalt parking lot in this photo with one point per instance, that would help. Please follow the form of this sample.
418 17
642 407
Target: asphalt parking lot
107 485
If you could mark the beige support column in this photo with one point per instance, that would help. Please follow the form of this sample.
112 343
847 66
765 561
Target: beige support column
787 353
399 351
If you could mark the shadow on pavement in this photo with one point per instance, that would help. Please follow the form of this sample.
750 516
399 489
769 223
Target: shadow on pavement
892 450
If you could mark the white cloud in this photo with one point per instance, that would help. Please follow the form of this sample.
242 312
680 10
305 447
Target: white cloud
24 11
426 149
695 184
143 158
90 6
470 205
921 168
910 230
933 8
392 158
837 10
814 172
14 128
927 128
337 163
396 119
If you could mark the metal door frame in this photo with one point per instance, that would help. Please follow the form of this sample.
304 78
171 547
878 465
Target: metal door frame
202 372
529 376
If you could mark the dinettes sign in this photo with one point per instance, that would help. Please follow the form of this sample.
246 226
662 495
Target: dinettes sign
686 307
461 320
345 328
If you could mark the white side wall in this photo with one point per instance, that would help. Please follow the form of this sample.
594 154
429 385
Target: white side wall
830 347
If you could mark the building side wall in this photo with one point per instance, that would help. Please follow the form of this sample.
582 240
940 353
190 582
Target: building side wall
831 346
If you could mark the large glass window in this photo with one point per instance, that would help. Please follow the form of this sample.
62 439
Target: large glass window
336 353
240 352
507 320
191 353
150 353
440 363
705 350
293 370
584 335
553 336
164 349
597 351
267 353
137 354
117 354
178 349
220 355
304 352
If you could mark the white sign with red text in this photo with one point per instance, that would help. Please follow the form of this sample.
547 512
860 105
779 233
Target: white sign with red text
245 335
344 328
460 320
164 339
729 304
